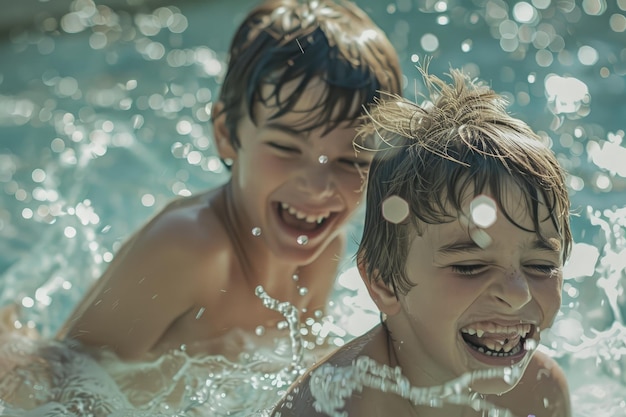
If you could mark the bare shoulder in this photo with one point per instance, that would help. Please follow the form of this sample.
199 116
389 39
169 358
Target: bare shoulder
154 279
184 248
542 391
176 245
307 396
192 222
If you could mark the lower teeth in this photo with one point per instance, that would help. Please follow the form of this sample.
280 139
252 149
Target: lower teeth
489 352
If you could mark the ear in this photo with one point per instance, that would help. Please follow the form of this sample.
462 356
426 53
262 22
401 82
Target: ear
384 297
221 133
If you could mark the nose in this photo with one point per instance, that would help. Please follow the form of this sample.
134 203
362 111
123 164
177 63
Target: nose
513 290
316 181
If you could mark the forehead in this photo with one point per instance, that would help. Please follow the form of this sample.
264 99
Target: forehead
309 109
483 209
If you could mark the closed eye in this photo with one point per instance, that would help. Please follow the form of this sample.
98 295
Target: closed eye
543 269
474 270
358 165
283 148
468 270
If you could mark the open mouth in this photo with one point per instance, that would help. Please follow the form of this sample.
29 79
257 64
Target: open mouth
497 341
302 221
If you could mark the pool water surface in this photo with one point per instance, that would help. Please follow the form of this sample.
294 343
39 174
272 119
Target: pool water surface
104 118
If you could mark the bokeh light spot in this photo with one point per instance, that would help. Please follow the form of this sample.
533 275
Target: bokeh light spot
69 232
617 22
38 175
483 211
28 302
587 55
544 58
541 4
148 200
594 7
524 12
603 182
429 42
395 209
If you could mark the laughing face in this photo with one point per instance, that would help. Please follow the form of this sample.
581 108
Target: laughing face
298 188
477 303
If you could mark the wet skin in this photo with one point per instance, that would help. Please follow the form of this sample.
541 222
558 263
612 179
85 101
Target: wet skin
459 285
276 166
189 275
509 290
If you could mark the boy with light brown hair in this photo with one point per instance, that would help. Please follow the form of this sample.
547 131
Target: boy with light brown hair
466 232
300 74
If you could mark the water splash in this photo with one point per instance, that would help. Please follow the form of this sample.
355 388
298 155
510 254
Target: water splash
590 337
291 314
51 378
78 128
330 386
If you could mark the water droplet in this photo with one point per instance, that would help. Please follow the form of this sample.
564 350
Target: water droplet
303 291
302 240
530 344
260 330
323 159
256 231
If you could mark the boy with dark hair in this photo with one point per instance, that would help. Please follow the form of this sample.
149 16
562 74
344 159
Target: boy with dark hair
466 232
300 75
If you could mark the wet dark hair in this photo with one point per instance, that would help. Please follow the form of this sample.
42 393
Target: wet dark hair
294 40
430 155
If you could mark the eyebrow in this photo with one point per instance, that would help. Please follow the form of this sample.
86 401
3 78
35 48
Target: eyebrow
459 246
551 244
288 130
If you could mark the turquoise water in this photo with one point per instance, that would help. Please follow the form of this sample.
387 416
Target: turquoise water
104 118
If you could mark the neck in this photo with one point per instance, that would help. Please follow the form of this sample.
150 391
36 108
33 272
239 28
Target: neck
407 351
258 264
401 354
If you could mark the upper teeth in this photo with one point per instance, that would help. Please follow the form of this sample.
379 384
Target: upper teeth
480 329
309 218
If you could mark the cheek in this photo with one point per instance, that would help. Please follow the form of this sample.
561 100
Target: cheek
446 300
260 167
350 185
547 294
463 290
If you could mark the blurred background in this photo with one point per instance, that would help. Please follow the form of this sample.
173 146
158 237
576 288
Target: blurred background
104 117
